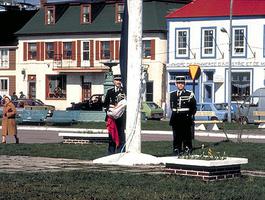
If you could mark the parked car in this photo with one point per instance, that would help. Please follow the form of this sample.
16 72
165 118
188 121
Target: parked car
255 102
220 109
151 110
95 102
32 104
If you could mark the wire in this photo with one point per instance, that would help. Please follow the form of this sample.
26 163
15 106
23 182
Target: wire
133 130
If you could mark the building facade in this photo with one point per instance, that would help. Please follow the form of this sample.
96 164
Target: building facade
62 50
199 34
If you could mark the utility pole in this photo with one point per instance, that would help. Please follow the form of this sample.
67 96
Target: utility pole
230 63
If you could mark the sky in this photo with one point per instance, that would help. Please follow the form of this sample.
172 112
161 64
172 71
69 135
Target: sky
34 2
37 2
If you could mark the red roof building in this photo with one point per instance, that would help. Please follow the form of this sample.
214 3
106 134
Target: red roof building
199 33
219 8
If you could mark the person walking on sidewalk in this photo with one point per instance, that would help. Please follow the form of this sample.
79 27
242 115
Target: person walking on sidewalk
183 106
9 126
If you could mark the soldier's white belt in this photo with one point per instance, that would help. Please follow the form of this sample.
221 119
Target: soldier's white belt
180 109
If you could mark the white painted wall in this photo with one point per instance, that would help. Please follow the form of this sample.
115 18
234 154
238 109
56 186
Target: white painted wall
255 35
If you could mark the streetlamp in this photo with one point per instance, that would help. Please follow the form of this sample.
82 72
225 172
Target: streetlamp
108 83
230 61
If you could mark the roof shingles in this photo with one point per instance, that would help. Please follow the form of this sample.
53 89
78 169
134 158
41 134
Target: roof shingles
154 13
219 8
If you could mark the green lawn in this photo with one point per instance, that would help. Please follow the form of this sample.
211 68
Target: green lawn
87 184
254 152
84 185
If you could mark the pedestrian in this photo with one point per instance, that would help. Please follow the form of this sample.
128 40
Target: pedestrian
22 96
183 106
9 126
14 97
115 124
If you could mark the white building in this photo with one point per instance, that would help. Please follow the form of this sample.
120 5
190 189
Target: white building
195 37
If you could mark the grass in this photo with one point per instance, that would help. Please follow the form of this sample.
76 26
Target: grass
254 152
83 185
93 185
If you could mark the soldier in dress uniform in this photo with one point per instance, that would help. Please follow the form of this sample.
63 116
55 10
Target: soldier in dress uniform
113 97
183 106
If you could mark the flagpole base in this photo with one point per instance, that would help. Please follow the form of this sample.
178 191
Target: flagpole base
128 159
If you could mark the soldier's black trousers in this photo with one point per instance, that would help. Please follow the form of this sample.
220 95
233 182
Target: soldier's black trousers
182 137
120 123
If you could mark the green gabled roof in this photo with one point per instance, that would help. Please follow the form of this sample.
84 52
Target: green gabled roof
154 13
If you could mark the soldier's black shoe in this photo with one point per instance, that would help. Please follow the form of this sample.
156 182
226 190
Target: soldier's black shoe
177 152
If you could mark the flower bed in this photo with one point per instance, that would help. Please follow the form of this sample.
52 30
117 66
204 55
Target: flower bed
207 170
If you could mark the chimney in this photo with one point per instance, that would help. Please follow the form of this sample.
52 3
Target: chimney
42 3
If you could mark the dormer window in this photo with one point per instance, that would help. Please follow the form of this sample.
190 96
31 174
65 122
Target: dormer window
50 15
86 14
119 12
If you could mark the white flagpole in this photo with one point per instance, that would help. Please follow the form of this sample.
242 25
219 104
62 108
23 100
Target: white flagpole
133 155
134 63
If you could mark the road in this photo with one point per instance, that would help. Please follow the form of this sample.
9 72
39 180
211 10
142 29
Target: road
51 136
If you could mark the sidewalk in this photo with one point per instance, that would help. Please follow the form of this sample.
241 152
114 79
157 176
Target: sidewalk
46 134
27 164
246 133
13 164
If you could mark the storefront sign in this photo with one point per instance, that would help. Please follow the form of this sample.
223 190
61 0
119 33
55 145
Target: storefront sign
220 64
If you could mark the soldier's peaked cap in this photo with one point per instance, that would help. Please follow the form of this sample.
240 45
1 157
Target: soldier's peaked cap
117 77
180 79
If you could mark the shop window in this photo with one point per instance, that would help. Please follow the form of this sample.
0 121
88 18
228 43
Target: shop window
56 87
240 85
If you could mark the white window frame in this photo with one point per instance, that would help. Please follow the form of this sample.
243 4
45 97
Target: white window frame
204 47
4 59
119 12
50 15
83 51
2 91
86 14
237 40
177 42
